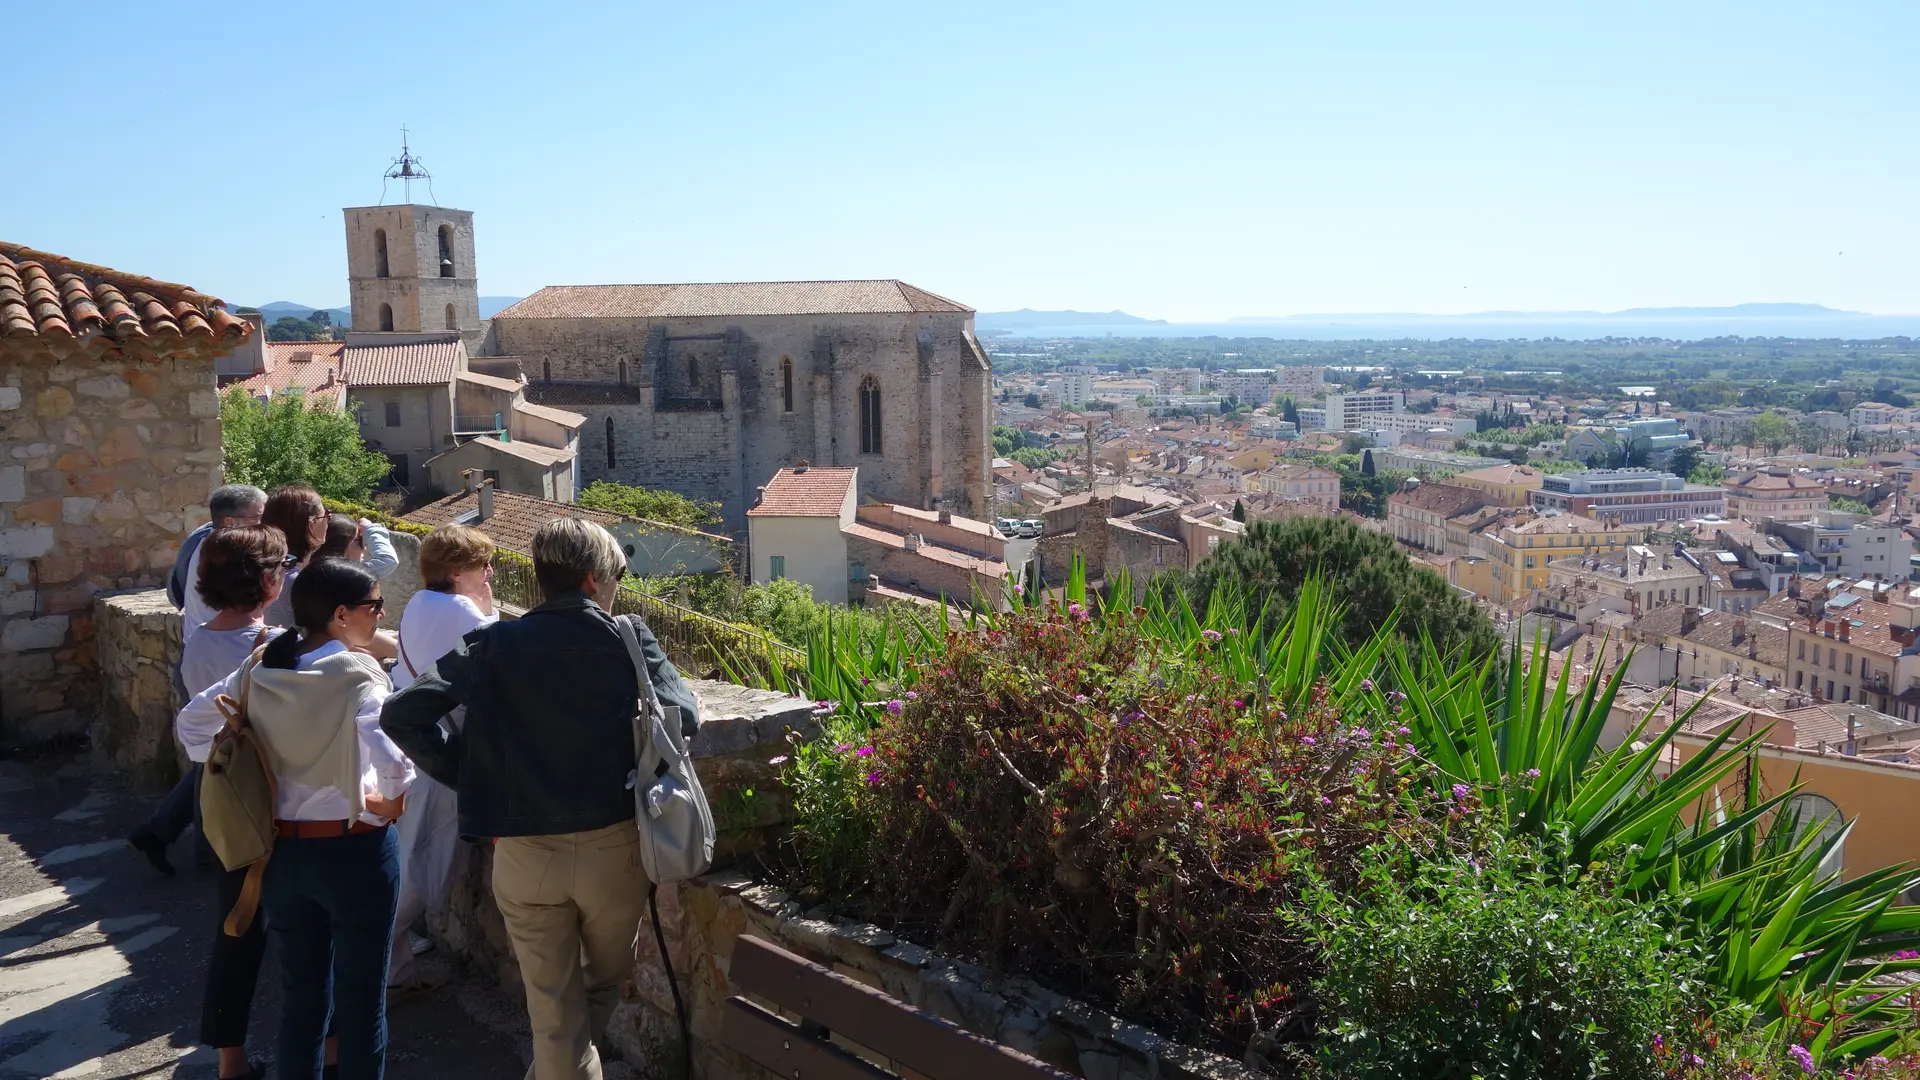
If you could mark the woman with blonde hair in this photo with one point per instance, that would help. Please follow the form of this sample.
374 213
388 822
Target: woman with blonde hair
456 565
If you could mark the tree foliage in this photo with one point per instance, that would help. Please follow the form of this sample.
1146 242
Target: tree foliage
1370 579
290 439
668 507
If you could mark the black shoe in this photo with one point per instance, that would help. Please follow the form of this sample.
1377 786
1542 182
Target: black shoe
154 848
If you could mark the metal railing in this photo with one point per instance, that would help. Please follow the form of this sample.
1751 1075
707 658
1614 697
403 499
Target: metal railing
699 645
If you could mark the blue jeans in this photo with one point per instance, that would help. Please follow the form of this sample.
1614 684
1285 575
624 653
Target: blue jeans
329 905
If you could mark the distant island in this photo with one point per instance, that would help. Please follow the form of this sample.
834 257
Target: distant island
1028 318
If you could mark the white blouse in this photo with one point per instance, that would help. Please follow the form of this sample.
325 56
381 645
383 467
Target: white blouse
432 625
383 767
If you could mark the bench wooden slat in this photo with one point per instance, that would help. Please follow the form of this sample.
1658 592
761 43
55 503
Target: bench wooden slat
905 1035
775 1044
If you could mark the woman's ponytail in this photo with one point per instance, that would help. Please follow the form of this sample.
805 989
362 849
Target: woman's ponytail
321 589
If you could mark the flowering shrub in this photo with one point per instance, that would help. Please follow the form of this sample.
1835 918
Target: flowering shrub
1113 811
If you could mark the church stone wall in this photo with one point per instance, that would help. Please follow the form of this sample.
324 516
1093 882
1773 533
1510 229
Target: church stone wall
712 422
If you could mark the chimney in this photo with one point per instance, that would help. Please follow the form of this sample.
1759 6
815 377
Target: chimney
913 541
467 479
802 467
946 517
1846 628
1852 747
759 494
1739 631
486 500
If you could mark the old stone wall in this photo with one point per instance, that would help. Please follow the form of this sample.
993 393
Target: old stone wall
722 440
104 469
137 637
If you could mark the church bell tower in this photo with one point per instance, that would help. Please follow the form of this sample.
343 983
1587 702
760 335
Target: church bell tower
410 268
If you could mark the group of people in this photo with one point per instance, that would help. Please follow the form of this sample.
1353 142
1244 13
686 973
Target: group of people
391 752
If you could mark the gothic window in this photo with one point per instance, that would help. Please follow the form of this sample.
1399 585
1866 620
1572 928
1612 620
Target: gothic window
446 251
623 373
450 319
693 373
786 385
869 415
609 443
546 370
379 253
386 315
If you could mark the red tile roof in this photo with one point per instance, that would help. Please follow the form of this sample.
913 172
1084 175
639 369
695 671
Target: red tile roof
311 367
728 298
52 306
819 491
517 517
425 363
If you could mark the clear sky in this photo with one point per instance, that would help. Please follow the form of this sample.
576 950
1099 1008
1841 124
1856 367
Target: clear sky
1178 160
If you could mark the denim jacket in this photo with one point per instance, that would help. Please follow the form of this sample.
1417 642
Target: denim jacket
548 739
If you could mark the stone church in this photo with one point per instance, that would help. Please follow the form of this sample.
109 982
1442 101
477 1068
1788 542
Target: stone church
707 389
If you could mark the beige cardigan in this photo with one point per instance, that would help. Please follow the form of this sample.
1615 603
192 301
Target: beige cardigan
306 719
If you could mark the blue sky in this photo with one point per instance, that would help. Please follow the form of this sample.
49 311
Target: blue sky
1187 161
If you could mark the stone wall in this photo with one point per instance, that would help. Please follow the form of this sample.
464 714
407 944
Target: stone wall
104 469
137 636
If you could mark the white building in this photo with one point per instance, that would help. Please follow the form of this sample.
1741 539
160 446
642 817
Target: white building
793 531
1075 388
1362 411
1254 386
1306 382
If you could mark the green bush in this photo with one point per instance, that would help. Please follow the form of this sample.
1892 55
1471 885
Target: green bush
1498 966
668 507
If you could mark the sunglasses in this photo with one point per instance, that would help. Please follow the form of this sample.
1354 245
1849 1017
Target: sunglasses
378 604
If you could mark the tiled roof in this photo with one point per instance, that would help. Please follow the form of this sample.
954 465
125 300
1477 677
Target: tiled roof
1443 499
55 307
424 363
984 567
576 393
1503 474
819 491
1763 642
312 367
728 298
557 416
515 516
491 382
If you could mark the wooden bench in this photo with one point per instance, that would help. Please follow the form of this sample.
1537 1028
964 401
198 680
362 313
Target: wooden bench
915 1043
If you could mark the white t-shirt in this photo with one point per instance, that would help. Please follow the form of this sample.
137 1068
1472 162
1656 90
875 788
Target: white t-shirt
280 612
432 625
211 655
196 612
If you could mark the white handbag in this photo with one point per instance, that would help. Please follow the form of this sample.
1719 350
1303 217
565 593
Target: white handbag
676 825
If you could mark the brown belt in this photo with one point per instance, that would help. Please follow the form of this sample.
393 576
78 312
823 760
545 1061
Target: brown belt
318 830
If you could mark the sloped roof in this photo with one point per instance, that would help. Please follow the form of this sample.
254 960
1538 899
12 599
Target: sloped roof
818 491
526 451
424 363
879 297
491 382
53 306
1444 499
515 519
581 393
310 367
557 416
1508 473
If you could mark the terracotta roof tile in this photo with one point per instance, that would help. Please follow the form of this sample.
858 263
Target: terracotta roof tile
526 451
1444 499
54 306
425 363
819 491
728 298
515 516
312 367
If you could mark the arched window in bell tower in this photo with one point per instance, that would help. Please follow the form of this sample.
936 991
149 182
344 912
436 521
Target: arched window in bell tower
386 316
452 323
623 373
379 253
546 371
786 384
610 444
446 251
870 415
693 373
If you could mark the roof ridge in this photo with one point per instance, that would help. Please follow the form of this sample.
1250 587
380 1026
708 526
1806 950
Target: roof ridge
21 252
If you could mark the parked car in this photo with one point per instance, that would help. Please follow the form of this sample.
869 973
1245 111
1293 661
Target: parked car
1008 526
1031 528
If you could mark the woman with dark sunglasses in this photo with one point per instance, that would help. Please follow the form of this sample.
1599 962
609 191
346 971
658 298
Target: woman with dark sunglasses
313 697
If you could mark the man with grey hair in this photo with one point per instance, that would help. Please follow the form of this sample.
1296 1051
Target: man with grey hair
542 765
230 506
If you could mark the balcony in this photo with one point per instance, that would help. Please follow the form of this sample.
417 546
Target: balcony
483 424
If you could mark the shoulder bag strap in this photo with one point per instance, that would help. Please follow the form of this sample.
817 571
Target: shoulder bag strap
404 658
247 905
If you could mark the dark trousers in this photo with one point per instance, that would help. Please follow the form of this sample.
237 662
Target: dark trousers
329 905
233 969
178 808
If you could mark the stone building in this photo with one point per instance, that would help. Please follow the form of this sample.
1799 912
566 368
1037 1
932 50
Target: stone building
109 445
708 389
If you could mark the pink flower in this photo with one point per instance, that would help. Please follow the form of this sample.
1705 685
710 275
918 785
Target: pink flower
1210 635
781 760
841 748
1324 801
1309 740
1461 791
913 695
896 706
873 777
865 751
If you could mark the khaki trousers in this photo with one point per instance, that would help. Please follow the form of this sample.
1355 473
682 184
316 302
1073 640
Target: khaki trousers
572 905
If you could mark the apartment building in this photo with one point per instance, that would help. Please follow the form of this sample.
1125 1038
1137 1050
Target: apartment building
1363 411
1504 484
1627 496
1253 386
1850 545
1521 553
1427 464
1418 516
1781 494
1308 482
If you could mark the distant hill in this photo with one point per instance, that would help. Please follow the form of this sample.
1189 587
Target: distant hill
489 306
1735 311
992 321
